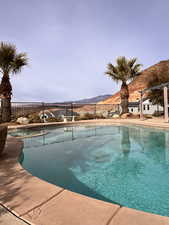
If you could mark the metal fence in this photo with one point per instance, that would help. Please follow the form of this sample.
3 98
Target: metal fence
55 112
39 112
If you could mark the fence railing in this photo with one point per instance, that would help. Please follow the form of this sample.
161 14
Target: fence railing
40 112
57 112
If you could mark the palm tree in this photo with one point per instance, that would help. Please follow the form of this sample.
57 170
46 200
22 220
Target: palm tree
10 63
125 71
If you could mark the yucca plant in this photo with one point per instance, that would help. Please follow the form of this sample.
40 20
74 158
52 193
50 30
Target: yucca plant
124 71
11 62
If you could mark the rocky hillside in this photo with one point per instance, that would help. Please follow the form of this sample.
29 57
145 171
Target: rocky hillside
141 82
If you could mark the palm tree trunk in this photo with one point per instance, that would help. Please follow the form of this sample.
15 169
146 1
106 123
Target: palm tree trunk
3 135
124 94
6 92
6 110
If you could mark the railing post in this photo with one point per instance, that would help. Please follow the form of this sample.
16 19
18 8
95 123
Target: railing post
141 106
72 111
66 109
95 112
43 111
64 119
166 104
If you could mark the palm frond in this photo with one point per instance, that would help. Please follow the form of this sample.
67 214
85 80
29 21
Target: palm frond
112 72
125 70
112 68
20 60
121 61
131 62
135 70
10 61
7 55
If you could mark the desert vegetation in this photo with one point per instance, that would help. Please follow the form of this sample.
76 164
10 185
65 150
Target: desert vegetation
124 71
11 63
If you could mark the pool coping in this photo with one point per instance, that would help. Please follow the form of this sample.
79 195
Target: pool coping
39 202
146 122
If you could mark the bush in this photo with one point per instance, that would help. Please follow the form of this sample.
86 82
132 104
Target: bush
34 118
158 113
3 135
77 118
135 116
87 116
100 116
54 119
147 116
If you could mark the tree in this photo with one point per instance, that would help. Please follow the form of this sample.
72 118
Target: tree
125 71
11 62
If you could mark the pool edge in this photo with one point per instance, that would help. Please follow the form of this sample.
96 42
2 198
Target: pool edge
38 210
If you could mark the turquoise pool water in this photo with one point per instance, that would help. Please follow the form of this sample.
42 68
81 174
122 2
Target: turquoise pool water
127 165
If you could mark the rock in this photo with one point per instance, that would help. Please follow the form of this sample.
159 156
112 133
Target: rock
135 116
148 116
125 115
115 116
22 120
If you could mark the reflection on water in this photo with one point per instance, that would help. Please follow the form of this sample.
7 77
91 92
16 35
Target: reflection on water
128 165
125 140
63 135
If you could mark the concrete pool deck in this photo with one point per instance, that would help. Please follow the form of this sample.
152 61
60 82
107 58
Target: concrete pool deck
37 202
154 122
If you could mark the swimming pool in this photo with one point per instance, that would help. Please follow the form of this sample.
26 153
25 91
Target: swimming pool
128 165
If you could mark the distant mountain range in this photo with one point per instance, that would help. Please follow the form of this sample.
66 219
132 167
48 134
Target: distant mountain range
89 100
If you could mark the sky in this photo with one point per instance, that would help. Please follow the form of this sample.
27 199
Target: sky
70 42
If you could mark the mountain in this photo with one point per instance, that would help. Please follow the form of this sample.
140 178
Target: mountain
141 82
89 100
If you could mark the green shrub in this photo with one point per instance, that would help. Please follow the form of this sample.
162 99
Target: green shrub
3 135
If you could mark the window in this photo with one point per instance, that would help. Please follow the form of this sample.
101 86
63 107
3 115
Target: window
148 107
144 107
44 116
131 109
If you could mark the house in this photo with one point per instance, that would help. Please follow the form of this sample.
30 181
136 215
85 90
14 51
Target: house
148 107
